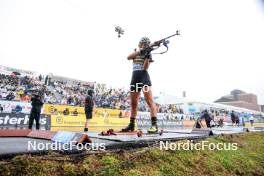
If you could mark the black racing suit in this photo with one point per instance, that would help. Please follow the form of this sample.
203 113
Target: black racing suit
140 77
35 112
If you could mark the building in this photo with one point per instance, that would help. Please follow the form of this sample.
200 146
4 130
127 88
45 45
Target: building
240 99
262 108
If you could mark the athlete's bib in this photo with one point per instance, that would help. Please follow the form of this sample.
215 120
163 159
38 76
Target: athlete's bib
138 62
137 67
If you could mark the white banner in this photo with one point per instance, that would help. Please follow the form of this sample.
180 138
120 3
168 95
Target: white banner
161 116
9 70
164 120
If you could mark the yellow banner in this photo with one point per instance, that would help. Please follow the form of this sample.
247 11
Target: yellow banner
62 121
76 123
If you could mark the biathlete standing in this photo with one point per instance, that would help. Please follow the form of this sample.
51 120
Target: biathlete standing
141 81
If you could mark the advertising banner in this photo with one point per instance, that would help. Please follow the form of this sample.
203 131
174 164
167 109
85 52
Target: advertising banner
20 120
76 123
67 121
165 120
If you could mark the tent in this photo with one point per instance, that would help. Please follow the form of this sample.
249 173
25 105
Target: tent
170 99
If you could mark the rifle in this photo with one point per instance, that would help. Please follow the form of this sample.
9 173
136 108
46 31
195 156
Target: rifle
163 42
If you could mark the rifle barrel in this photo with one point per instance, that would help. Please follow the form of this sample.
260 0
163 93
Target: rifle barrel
177 33
157 43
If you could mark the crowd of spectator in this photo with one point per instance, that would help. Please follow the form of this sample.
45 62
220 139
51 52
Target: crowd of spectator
8 85
111 98
19 88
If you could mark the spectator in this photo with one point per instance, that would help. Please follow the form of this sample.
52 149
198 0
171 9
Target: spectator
37 103
75 112
237 119
207 118
1 108
40 77
251 119
66 111
17 109
55 112
120 114
221 121
233 118
241 119
10 96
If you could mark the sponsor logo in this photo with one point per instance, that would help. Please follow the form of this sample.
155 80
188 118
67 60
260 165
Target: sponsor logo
18 120
164 120
59 120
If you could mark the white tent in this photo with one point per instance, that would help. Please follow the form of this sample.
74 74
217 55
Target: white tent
164 99
170 99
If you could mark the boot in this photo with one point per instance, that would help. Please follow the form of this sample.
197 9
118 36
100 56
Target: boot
154 126
130 127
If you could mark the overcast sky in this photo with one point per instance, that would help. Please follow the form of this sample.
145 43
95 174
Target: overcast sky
220 47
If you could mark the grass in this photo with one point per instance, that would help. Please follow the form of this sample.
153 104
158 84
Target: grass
247 160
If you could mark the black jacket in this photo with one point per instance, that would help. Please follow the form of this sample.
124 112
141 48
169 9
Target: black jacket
206 117
88 104
36 104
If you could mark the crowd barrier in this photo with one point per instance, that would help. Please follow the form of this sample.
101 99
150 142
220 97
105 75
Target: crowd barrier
103 119
76 123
